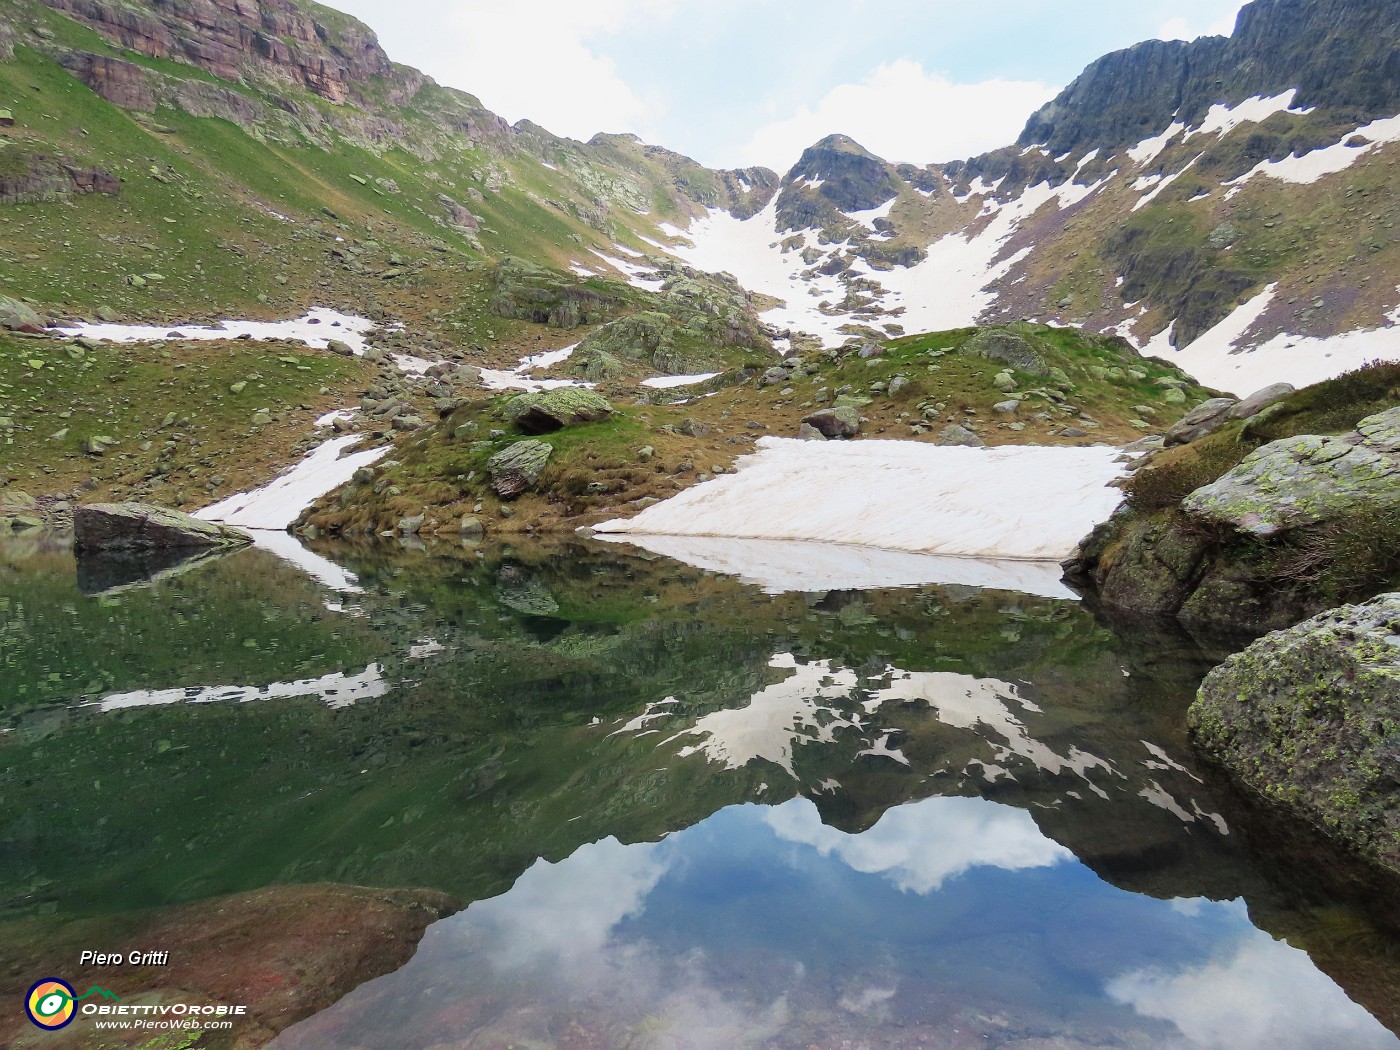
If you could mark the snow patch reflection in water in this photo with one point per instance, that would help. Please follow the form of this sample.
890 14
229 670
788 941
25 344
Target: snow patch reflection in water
782 566
337 690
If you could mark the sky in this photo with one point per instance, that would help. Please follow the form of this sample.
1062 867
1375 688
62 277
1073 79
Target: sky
751 82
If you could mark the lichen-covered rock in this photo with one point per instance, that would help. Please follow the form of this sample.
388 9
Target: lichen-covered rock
1262 399
517 467
1306 480
546 411
1309 717
142 526
840 422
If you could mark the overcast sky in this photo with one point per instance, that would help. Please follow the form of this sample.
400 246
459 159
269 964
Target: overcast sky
755 81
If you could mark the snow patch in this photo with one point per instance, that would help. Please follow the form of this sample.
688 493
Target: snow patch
1308 168
278 503
315 328
1003 503
667 382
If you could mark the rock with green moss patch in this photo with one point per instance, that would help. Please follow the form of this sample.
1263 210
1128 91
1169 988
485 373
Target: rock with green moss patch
1306 480
516 468
545 411
842 421
1309 718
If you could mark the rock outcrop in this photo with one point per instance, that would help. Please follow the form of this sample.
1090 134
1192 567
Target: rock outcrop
1299 524
1309 718
31 178
118 527
229 38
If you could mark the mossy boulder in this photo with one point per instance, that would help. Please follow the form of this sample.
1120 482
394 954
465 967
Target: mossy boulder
1306 480
516 468
1222 537
546 411
1309 718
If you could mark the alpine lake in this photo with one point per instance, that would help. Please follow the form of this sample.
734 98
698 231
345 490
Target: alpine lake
605 799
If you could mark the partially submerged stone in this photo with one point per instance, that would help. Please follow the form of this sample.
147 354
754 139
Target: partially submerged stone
517 467
143 526
1309 718
546 411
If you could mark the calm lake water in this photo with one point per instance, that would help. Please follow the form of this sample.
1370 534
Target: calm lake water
681 812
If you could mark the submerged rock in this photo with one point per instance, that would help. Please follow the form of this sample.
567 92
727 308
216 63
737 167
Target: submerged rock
143 526
1309 718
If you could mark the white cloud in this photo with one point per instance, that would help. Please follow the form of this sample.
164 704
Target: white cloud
919 846
1266 994
904 113
542 60
1182 28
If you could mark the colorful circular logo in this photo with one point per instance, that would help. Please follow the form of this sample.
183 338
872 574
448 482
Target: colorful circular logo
50 1003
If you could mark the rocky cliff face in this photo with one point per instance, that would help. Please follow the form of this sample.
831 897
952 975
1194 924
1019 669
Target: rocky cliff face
324 51
1338 54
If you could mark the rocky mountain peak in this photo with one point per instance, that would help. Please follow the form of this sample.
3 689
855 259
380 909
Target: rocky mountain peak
834 174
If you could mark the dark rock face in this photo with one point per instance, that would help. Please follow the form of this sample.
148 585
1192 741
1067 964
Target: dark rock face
227 37
141 526
1339 54
1309 718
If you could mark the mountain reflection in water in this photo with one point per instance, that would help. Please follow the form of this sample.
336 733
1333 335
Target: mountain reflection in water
690 813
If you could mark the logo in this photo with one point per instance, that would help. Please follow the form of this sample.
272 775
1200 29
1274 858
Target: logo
52 1004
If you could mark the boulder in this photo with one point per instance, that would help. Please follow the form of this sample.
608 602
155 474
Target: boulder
143 526
999 345
1306 480
1260 400
517 467
1309 718
18 317
546 411
957 434
840 422
1205 418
